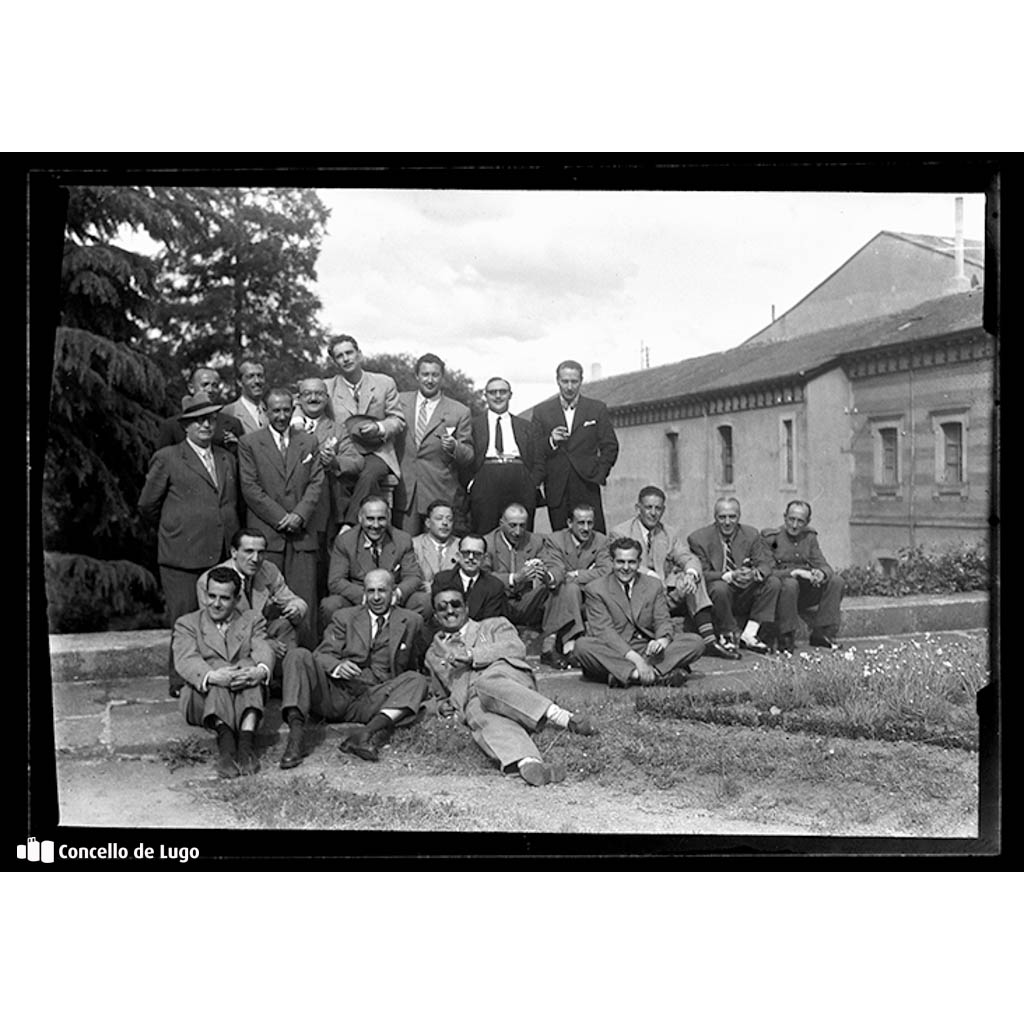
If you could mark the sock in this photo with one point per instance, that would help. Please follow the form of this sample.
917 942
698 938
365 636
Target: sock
245 741
225 740
528 760
569 646
382 720
548 643
293 716
750 629
558 716
705 626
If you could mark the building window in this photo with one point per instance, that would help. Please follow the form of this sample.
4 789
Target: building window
788 452
725 455
887 473
672 453
950 430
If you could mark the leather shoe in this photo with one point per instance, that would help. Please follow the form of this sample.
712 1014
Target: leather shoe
293 750
582 725
820 640
227 767
553 659
786 643
755 645
614 684
717 649
536 773
362 744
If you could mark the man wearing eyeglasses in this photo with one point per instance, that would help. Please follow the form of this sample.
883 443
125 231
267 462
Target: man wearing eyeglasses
191 490
505 466
484 592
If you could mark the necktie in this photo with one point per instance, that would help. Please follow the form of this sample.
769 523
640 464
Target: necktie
375 551
649 550
469 585
627 587
248 590
355 395
282 444
499 441
260 418
421 422
211 466
729 563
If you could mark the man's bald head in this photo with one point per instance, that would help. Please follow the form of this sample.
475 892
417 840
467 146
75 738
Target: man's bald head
378 586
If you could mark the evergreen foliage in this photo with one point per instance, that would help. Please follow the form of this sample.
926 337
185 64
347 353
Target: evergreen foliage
83 593
403 369
954 570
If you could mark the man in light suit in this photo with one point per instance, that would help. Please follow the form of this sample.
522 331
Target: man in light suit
363 671
578 444
574 557
480 672
516 557
375 544
223 655
434 444
506 466
630 636
436 549
282 479
737 567
191 490
227 429
249 408
263 590
369 454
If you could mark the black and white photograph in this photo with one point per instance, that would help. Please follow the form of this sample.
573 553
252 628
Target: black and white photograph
605 506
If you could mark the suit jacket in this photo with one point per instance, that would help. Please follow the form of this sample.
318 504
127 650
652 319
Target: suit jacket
486 597
352 559
427 472
272 487
562 554
430 562
525 441
172 432
348 637
591 449
504 561
327 509
490 641
706 544
242 415
669 555
268 586
378 397
199 647
613 620
197 518
803 553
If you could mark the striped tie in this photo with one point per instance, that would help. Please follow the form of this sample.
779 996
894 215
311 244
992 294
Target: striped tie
421 422
730 562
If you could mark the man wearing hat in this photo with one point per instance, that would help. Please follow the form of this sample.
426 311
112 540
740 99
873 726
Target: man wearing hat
226 430
191 491
368 406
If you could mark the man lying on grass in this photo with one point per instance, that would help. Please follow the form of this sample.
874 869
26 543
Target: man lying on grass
481 671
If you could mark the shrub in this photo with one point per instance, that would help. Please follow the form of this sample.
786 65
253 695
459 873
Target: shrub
918 571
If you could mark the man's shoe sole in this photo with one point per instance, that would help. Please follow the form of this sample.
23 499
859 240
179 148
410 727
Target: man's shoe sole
539 774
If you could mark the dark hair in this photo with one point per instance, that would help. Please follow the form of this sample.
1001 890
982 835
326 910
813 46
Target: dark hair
493 379
434 593
280 391
224 574
248 362
439 503
373 497
429 358
246 531
338 339
802 503
649 491
473 536
624 544
582 506
568 364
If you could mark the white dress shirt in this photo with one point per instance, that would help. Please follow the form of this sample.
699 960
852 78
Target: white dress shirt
508 437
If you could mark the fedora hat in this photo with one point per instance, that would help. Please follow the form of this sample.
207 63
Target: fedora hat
352 425
199 404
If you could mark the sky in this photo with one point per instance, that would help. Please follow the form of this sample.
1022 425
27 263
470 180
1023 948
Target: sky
509 283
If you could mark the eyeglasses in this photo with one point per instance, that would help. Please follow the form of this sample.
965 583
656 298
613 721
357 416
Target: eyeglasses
498 392
451 605
471 554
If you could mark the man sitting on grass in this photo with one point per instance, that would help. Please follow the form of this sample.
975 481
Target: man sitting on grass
223 655
363 671
481 671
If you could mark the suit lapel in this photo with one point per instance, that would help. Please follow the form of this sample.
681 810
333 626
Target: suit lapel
395 633
193 462
271 452
234 637
213 638
293 452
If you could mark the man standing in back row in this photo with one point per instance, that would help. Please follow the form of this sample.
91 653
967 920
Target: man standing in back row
578 447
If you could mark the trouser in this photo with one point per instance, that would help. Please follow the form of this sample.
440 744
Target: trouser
563 612
299 571
527 608
688 604
220 703
496 486
370 481
501 711
179 587
733 606
818 606
599 658
308 688
577 492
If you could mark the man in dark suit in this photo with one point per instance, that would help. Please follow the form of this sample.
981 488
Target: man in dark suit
575 557
484 592
373 544
226 430
737 567
282 479
434 444
223 655
630 636
363 671
506 466
578 444
515 556
191 490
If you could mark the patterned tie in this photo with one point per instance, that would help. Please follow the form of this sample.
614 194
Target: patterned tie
499 441
730 563
375 551
355 396
260 418
211 466
282 445
421 422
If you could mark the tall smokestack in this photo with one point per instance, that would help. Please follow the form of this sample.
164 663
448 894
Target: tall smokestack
960 282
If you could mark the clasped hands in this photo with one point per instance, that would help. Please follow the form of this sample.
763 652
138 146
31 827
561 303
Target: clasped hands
741 577
235 677
813 576
645 671
290 522
533 569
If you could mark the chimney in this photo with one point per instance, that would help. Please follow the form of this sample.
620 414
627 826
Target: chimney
960 282
595 371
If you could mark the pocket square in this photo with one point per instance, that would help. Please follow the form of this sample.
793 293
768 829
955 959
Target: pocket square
306 459
590 423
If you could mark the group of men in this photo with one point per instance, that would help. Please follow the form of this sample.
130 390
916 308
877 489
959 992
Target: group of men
284 562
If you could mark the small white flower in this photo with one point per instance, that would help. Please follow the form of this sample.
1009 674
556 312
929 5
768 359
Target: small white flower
773 710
